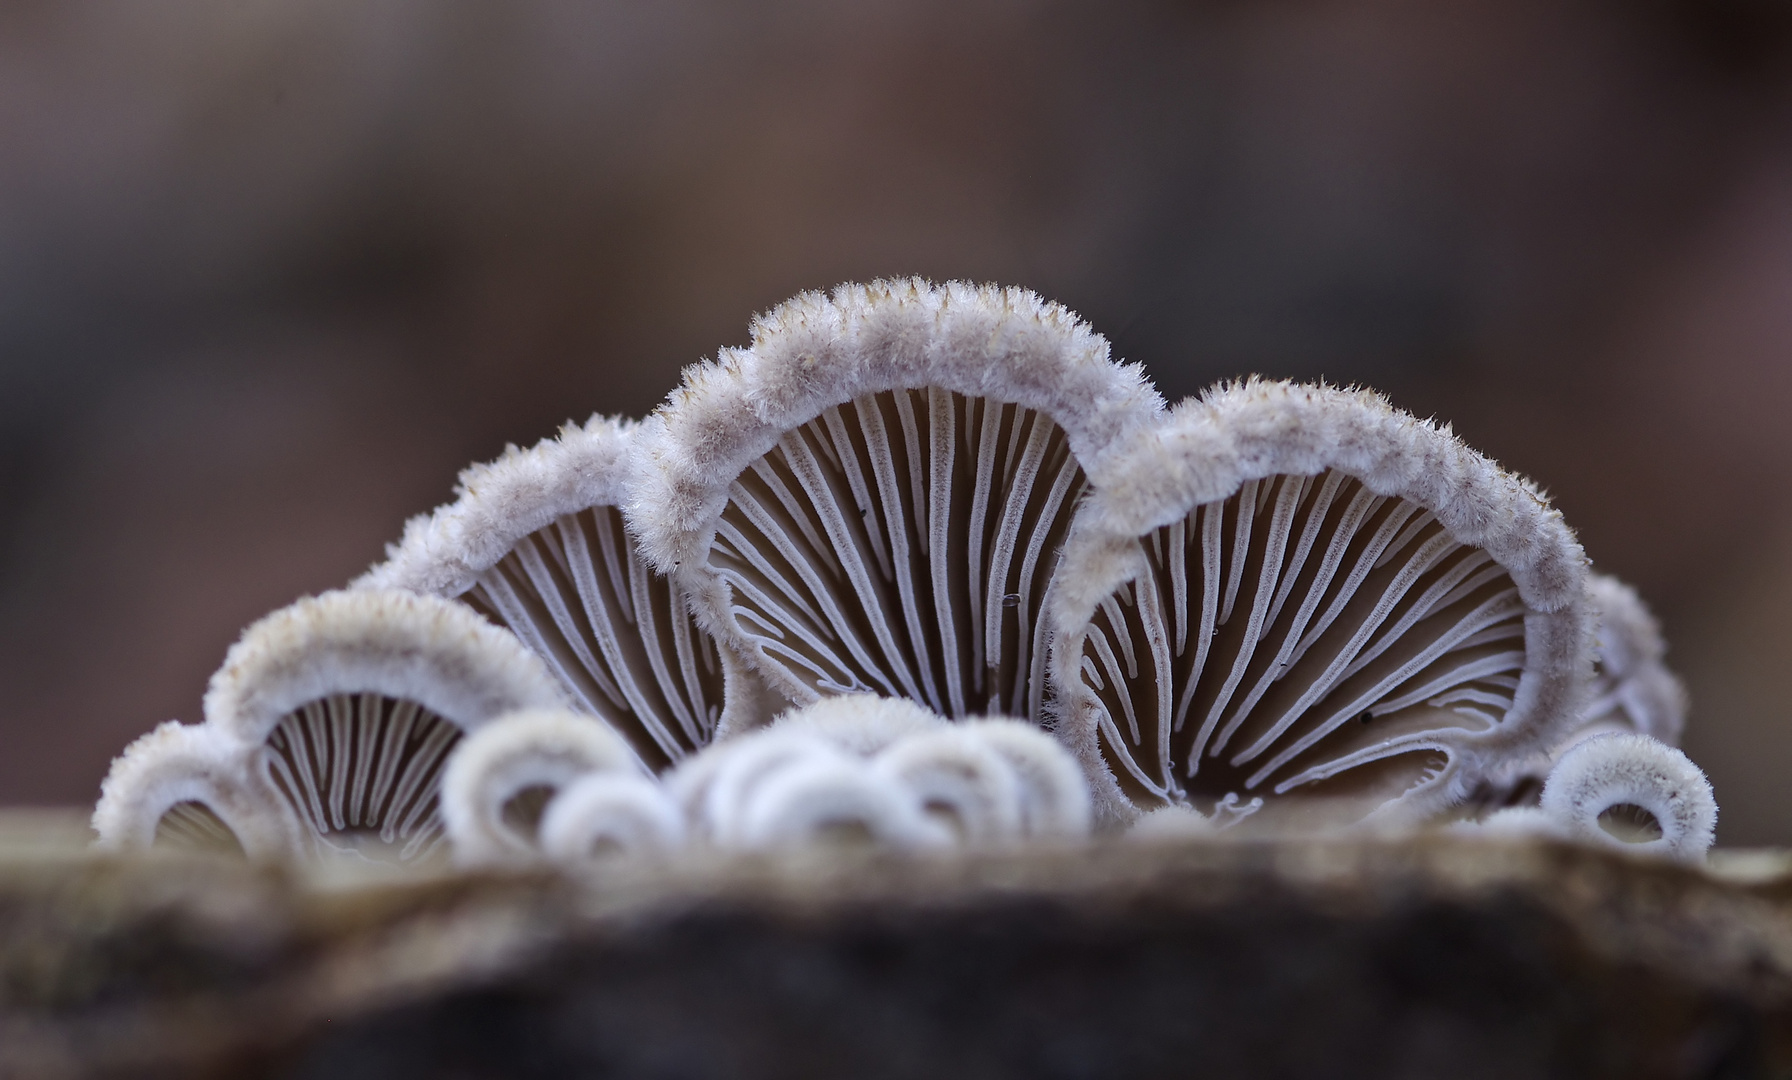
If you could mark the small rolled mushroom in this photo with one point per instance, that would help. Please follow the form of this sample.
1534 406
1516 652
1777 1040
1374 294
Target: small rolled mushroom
349 704
536 543
1054 793
716 793
187 787
611 813
500 780
960 781
1298 592
870 498
836 800
1632 793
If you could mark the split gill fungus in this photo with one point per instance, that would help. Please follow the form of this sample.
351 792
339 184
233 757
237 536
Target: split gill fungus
922 567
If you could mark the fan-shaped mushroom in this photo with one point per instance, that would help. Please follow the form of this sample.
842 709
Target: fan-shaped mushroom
1298 589
870 498
347 705
187 786
536 543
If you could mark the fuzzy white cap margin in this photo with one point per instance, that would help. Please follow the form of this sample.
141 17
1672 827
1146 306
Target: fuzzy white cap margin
503 501
178 763
817 351
1614 769
437 653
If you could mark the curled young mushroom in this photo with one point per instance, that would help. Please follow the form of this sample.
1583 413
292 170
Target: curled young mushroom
536 543
870 497
1298 593
501 779
1633 793
605 814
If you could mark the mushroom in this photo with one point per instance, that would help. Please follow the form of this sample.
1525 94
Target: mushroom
1632 691
870 498
500 780
1632 793
326 730
611 814
186 787
1287 590
535 543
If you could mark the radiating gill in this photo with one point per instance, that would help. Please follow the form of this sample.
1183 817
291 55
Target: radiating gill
364 770
1298 630
193 826
615 634
901 543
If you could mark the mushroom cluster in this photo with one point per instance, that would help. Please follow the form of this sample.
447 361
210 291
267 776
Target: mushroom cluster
921 567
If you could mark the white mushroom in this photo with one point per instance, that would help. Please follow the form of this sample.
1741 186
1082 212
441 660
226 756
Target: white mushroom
837 800
187 787
611 814
349 704
500 780
1633 793
536 543
1300 590
870 498
961 782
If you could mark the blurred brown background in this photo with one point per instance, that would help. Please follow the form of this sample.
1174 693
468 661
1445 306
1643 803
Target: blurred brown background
272 271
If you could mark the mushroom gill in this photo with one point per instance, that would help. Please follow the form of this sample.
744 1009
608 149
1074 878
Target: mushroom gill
1298 590
871 498
536 544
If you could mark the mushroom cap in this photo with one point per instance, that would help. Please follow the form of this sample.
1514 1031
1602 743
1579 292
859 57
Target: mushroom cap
402 645
521 758
868 497
1666 794
536 543
1370 566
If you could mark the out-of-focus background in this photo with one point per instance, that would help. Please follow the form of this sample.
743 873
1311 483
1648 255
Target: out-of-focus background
273 271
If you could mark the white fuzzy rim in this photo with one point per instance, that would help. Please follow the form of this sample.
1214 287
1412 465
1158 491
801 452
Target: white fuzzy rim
179 763
1206 449
501 502
436 653
817 352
